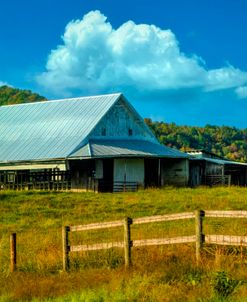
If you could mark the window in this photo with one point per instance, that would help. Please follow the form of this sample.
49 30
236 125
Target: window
11 177
130 132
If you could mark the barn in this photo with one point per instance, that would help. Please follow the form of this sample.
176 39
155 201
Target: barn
209 169
97 143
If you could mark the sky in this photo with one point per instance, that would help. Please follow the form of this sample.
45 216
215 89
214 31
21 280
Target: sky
181 61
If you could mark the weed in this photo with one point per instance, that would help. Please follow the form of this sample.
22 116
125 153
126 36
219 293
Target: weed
224 285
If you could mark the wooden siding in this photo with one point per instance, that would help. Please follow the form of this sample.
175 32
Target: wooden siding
214 169
130 170
174 172
118 122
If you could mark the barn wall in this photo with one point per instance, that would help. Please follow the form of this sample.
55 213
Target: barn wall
174 172
99 169
119 122
132 168
214 169
82 174
196 172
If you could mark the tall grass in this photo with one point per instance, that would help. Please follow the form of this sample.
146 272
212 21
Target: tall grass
158 273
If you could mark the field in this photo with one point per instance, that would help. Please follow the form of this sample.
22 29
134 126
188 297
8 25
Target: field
158 273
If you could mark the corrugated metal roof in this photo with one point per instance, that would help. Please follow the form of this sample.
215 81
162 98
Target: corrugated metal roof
224 162
51 129
218 161
131 147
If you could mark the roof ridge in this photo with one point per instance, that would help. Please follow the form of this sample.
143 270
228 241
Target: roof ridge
62 100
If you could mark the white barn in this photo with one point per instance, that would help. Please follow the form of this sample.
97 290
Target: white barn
89 143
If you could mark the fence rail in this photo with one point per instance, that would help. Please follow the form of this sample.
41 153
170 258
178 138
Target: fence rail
214 180
226 214
95 226
162 218
226 240
199 238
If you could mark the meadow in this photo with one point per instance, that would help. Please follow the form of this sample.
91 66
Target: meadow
164 273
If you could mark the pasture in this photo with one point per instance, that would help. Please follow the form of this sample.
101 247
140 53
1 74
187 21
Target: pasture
158 274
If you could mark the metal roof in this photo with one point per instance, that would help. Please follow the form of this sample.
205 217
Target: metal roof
50 129
225 162
126 147
218 161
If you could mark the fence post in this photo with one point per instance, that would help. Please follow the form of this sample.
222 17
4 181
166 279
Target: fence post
66 248
127 242
13 252
229 180
199 214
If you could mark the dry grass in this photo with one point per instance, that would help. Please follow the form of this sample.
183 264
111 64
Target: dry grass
158 274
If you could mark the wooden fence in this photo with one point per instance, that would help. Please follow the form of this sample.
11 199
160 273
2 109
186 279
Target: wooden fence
218 180
199 238
30 180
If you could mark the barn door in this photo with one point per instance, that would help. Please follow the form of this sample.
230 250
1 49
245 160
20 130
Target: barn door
107 182
152 174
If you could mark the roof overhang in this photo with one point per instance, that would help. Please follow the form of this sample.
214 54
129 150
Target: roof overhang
34 165
105 148
218 161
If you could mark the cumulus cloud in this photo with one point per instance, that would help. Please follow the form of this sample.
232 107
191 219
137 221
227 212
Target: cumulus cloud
95 57
241 92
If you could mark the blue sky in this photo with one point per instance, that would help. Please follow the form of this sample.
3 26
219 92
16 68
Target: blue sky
181 61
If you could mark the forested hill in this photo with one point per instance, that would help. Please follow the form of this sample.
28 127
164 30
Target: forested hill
229 142
10 96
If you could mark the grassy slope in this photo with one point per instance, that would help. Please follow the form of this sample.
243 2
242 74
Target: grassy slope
159 274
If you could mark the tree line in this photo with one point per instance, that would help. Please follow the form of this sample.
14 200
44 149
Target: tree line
228 142
11 96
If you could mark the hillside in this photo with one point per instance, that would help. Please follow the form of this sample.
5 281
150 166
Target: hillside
228 142
10 96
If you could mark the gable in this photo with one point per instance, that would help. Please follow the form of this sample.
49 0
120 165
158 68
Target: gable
122 121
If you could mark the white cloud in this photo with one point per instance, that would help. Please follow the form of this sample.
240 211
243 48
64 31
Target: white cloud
95 57
241 92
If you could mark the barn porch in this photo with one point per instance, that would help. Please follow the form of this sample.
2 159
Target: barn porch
98 175
127 174
212 172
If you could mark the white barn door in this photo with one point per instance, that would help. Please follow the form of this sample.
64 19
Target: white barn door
129 170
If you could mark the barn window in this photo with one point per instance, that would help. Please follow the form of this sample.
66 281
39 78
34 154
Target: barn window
11 177
130 132
103 132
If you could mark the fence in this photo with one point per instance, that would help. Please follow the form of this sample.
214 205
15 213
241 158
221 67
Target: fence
199 238
117 186
218 180
30 180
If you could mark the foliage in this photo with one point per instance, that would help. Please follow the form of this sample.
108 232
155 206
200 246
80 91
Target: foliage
224 285
10 96
228 142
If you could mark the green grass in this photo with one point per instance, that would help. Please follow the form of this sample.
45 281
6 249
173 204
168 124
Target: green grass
158 274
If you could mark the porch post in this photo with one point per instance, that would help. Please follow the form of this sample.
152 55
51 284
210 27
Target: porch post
159 173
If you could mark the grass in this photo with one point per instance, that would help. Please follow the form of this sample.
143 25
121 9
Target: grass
158 273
